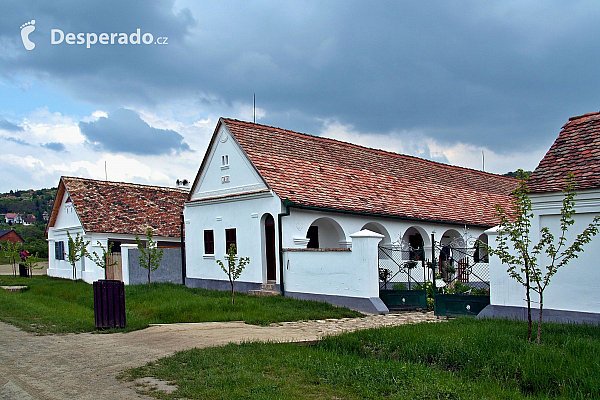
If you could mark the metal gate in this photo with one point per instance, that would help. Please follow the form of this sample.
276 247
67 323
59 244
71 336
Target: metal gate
453 277
402 277
463 276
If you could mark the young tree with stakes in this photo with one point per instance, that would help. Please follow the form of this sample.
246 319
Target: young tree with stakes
523 260
76 251
103 261
234 267
11 253
150 255
32 263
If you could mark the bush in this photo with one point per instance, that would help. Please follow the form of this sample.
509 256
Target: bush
430 303
457 287
400 286
480 292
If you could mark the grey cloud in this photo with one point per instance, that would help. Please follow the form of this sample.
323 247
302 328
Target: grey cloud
9 126
56 146
505 75
123 131
16 140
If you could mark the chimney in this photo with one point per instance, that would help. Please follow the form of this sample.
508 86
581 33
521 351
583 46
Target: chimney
183 184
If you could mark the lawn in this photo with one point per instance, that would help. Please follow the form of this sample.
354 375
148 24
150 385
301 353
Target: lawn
461 359
52 305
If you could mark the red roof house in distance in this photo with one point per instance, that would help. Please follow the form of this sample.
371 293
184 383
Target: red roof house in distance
9 235
13 218
573 294
295 203
110 212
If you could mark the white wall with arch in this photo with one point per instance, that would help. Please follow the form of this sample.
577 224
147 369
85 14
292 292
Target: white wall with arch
395 230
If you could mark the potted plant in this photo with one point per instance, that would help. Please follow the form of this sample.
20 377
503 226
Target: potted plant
409 265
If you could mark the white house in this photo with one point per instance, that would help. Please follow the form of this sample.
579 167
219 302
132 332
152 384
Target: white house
13 218
572 295
104 212
310 211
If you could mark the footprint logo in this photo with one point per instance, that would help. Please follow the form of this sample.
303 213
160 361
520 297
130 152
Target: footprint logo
26 29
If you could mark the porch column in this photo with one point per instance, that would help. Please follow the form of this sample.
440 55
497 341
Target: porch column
125 261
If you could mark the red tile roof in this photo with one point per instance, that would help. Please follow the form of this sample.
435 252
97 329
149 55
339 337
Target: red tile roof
116 207
576 150
318 172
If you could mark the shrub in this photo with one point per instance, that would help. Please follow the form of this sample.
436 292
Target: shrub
400 286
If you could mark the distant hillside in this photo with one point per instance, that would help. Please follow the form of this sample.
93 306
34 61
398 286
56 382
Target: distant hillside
27 202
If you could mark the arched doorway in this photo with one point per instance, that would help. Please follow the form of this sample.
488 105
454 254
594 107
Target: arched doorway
270 248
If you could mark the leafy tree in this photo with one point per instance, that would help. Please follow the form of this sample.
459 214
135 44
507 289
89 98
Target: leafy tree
150 255
523 265
32 263
11 253
76 251
103 261
234 267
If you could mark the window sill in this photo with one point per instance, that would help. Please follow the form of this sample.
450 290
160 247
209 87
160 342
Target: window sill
224 167
209 256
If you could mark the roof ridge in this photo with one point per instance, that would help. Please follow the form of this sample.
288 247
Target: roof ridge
370 148
584 115
124 183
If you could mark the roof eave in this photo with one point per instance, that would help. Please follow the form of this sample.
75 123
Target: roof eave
290 204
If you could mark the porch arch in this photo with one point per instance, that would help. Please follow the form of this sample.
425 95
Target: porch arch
378 228
416 238
454 245
481 253
325 233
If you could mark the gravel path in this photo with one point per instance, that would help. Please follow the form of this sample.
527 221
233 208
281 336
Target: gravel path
84 366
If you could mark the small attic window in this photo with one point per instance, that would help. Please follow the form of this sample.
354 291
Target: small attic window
224 161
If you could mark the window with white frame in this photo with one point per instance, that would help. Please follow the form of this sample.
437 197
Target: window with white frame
224 161
209 242
59 250
230 238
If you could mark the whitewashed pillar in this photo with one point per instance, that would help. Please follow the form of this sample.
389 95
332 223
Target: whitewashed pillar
365 256
125 261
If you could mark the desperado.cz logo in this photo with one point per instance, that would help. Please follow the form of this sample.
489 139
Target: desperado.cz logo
57 36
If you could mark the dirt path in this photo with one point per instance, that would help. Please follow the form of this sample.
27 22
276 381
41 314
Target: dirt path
7 269
84 366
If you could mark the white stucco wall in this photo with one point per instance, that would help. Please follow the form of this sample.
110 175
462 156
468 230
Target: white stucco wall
295 226
576 286
339 273
238 176
245 214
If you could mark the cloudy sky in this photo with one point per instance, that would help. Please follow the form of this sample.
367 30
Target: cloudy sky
436 79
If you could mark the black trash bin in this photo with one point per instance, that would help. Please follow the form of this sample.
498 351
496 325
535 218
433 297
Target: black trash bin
23 271
109 304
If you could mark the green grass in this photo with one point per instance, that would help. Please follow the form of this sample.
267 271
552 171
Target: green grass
53 305
461 359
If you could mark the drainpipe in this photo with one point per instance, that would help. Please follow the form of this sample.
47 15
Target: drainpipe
182 225
281 268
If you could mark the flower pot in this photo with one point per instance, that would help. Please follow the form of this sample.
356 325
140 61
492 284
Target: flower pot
109 304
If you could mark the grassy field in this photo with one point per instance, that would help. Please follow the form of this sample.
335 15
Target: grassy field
461 359
52 305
